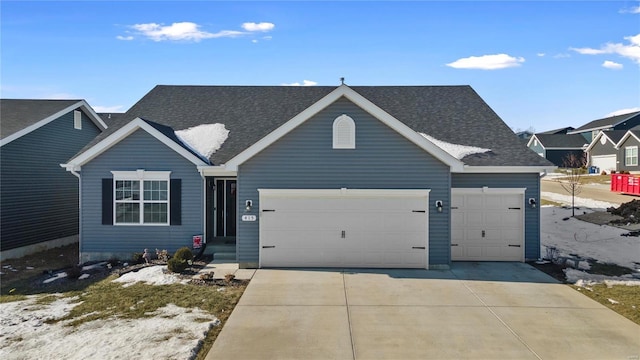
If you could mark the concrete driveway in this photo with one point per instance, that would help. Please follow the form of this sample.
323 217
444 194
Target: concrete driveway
474 310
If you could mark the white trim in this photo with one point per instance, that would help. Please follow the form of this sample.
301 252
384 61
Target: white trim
488 190
531 139
120 135
625 137
216 170
566 148
507 169
341 124
343 192
600 128
362 102
79 105
141 176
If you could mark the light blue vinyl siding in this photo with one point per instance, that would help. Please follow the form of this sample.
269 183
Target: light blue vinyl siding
38 198
538 149
530 181
138 151
382 159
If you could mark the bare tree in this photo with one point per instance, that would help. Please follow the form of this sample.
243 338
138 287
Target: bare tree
572 183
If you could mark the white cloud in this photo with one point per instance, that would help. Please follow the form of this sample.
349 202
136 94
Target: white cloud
541 54
612 65
629 51
190 31
487 62
263 26
623 111
561 56
108 109
304 83
631 10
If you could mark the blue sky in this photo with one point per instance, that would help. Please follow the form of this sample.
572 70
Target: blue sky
542 64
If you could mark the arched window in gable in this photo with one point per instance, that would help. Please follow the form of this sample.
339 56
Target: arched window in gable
344 133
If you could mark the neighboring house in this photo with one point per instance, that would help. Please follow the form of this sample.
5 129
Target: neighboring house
603 151
628 151
277 176
525 135
557 148
563 130
618 122
38 202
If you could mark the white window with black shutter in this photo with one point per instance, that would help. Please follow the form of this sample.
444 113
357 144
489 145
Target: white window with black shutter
141 198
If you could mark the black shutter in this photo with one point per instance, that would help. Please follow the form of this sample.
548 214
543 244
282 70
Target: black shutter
175 202
107 201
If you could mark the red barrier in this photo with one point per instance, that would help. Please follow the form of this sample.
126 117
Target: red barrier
625 183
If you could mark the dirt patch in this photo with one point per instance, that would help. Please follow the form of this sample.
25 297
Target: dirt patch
607 218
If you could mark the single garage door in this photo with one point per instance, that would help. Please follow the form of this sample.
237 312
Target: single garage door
487 224
344 228
604 162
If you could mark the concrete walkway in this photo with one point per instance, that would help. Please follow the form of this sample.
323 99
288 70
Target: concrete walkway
475 310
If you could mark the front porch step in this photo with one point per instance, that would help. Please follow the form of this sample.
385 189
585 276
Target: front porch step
224 255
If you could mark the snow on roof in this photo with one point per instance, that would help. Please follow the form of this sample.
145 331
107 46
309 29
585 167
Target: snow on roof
455 150
205 139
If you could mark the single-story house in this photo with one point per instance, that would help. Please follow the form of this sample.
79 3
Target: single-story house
557 148
38 203
603 150
363 176
618 122
628 151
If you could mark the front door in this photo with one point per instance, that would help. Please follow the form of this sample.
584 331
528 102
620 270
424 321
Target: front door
225 207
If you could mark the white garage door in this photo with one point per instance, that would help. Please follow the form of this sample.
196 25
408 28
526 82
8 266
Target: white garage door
344 228
487 224
604 162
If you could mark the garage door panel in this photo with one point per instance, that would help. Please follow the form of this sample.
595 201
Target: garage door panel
604 162
347 231
486 226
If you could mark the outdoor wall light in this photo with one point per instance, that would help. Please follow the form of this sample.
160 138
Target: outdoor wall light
248 205
439 205
532 202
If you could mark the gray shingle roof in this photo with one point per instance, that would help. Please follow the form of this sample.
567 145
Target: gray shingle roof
454 114
606 122
576 141
17 114
615 135
563 130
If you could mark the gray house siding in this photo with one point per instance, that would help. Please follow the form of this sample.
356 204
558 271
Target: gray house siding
622 165
606 149
530 181
382 159
39 199
138 151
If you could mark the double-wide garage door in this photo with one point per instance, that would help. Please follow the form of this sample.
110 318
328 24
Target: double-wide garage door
604 162
344 228
487 224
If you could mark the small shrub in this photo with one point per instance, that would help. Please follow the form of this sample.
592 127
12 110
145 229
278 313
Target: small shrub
137 258
162 255
603 172
184 253
613 171
74 272
177 265
206 276
229 277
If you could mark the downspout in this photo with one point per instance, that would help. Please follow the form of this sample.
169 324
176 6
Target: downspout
77 174
204 215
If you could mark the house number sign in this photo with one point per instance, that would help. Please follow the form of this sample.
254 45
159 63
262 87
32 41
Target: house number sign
249 218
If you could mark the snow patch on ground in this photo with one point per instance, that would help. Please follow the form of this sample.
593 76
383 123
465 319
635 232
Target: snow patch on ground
573 236
582 279
455 150
171 332
582 202
205 139
151 275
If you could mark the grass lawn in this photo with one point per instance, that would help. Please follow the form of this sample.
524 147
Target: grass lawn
626 299
100 298
590 179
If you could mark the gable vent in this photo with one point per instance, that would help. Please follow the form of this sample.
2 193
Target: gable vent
344 133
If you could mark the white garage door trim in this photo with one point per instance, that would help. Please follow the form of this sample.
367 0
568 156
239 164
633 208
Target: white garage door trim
494 191
604 162
334 196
